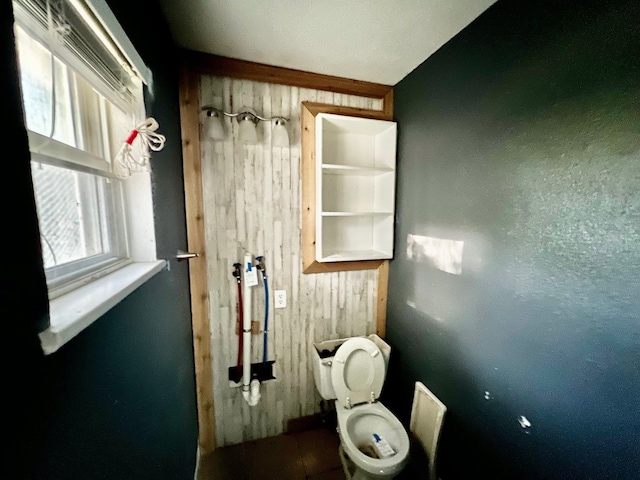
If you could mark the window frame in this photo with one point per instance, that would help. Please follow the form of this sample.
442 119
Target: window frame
77 304
47 150
70 275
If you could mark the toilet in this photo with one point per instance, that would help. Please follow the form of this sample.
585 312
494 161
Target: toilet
352 371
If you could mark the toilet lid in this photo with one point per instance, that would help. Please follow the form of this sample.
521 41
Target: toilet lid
357 371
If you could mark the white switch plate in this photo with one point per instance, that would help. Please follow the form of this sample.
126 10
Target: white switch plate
281 298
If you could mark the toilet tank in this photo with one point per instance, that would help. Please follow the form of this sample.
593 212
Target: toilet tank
323 353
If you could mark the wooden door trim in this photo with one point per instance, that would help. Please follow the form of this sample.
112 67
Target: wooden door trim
382 286
207 64
190 129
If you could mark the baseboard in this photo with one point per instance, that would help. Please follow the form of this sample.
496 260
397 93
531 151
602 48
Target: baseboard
310 422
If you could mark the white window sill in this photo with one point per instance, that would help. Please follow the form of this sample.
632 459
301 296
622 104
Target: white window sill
74 311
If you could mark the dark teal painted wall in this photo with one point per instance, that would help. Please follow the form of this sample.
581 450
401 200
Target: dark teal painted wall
23 305
521 138
118 401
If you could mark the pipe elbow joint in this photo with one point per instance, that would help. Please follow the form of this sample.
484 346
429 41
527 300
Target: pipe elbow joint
252 396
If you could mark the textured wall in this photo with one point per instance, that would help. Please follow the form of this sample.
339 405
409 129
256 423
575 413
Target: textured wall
514 290
118 401
252 204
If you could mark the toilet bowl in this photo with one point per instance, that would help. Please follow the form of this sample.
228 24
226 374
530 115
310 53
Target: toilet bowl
355 426
373 439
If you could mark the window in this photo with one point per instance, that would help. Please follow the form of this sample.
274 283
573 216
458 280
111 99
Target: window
81 97
72 128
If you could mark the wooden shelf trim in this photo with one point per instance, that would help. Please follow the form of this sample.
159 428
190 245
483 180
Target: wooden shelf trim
308 115
207 64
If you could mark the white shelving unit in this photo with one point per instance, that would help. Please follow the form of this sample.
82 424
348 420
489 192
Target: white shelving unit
355 190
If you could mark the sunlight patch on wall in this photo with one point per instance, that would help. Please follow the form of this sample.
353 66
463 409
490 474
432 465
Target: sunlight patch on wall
443 254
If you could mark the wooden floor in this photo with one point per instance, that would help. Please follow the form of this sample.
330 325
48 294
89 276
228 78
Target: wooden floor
311 455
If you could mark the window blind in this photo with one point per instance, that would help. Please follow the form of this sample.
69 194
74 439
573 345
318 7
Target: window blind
73 31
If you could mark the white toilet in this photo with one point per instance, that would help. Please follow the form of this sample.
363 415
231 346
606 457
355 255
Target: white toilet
354 376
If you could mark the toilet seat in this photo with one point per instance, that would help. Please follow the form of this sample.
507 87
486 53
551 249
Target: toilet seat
357 372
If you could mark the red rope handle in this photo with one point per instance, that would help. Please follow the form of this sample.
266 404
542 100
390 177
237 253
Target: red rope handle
132 136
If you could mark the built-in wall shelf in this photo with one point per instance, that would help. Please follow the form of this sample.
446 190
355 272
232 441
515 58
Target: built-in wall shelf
348 187
356 214
354 255
355 187
330 169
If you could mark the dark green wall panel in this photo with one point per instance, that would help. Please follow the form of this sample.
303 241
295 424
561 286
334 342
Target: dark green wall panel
520 139
118 401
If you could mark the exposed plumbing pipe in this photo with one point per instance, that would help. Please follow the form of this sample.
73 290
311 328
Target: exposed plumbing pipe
254 394
260 266
237 273
250 390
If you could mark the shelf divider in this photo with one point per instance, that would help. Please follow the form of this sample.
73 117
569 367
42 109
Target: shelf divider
336 169
356 214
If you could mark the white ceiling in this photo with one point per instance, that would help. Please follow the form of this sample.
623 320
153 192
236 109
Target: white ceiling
373 40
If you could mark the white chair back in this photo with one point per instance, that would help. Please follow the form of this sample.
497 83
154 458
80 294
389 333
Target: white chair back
427 416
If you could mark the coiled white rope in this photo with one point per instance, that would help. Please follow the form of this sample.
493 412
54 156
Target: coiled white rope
125 162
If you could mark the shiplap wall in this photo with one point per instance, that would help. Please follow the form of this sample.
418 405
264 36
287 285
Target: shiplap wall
252 204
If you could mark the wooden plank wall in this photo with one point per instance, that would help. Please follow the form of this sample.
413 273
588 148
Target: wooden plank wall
252 204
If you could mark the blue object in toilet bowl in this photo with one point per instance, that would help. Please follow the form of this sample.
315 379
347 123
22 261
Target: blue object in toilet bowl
382 447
